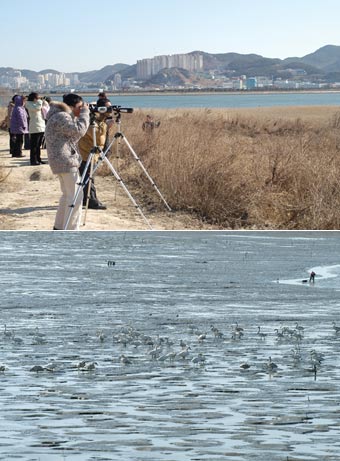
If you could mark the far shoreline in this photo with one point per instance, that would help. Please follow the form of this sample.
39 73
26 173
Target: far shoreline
199 93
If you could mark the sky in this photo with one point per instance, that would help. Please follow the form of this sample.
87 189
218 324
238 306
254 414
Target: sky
84 35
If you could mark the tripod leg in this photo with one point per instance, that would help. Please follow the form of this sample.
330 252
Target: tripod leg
102 156
89 183
120 181
80 186
117 159
146 173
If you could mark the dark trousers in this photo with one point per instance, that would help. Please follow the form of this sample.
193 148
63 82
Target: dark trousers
26 141
18 140
93 194
35 141
11 142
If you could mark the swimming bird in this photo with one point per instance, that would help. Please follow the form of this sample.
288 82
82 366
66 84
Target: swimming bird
271 366
245 366
17 340
299 327
316 357
2 368
51 366
202 337
101 335
155 352
124 360
198 359
171 356
90 366
7 333
217 333
184 353
279 334
260 334
37 368
335 328
238 328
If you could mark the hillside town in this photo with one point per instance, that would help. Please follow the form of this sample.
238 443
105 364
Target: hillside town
185 72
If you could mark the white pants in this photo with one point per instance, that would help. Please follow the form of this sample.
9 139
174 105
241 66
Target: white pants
69 186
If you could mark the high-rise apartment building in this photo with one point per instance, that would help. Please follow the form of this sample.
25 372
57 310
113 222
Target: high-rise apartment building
146 68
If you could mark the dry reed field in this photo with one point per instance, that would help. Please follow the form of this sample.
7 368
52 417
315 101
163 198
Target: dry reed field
267 168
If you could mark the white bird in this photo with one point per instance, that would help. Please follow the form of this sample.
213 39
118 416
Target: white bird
202 337
171 356
184 353
52 366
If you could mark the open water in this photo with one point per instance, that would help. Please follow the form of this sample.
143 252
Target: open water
222 100
166 298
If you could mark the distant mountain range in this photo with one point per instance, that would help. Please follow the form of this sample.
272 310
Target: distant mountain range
322 64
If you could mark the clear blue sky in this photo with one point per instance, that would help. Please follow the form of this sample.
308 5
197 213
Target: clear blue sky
75 35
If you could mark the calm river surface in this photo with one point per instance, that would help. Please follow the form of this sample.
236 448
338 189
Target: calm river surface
222 100
163 326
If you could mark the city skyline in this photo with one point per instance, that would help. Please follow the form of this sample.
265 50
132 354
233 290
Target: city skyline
74 37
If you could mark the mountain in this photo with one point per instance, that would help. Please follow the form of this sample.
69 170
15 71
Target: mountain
127 72
173 76
326 58
101 75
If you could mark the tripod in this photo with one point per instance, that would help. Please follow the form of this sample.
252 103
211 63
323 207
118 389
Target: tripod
116 138
103 158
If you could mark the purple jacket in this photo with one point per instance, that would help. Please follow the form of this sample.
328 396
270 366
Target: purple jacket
19 122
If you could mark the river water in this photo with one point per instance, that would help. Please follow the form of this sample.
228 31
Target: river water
148 396
223 100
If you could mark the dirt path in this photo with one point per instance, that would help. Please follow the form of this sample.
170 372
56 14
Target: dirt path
30 195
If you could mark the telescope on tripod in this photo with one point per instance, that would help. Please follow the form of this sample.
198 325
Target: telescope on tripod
92 167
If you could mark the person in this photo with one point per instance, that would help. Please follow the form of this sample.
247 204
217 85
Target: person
67 122
18 125
312 277
36 127
85 146
10 108
102 95
45 107
149 124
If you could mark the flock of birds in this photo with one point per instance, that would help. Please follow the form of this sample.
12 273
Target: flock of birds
136 347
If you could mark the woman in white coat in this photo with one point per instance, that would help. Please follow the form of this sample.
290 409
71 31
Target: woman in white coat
34 106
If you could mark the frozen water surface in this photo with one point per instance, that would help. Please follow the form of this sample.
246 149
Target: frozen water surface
163 326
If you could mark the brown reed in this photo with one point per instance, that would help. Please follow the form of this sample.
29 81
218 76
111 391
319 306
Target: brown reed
253 169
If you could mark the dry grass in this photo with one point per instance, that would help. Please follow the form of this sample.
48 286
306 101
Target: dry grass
3 113
254 168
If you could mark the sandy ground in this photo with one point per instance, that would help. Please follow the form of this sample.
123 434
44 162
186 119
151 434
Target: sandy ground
30 196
